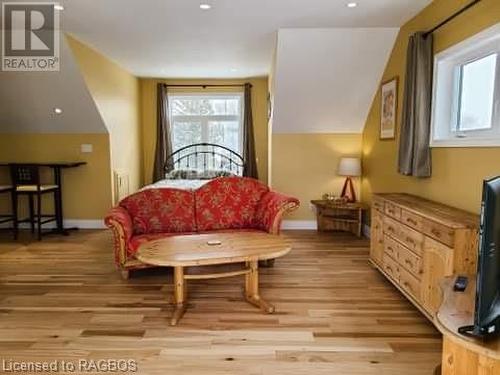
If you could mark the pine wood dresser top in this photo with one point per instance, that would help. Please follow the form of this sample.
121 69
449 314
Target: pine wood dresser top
438 212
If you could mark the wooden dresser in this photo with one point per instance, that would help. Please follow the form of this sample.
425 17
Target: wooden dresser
415 243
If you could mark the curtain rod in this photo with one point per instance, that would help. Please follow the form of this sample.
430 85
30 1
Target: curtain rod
450 18
205 86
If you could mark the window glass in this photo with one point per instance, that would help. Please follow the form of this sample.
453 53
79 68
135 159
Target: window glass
477 94
197 118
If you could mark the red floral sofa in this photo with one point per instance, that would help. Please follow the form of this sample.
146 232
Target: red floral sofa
223 204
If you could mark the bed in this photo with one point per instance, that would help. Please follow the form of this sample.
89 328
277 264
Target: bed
192 166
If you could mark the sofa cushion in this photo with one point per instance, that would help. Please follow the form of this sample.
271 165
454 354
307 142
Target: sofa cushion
161 211
228 203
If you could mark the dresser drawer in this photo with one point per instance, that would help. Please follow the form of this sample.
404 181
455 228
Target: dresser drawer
439 232
412 220
391 227
392 210
410 261
391 267
412 239
409 283
378 204
391 247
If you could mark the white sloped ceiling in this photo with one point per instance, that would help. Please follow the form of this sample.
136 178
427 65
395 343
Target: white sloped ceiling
325 79
28 99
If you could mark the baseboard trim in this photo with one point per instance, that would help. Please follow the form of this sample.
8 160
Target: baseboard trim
299 225
366 230
69 223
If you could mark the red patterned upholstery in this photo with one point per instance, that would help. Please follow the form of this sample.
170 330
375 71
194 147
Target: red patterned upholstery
122 217
161 211
223 204
270 209
228 203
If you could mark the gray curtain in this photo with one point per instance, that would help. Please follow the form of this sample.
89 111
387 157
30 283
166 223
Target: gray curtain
250 169
414 149
163 140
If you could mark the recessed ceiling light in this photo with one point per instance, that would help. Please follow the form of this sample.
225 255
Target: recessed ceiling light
58 7
58 111
205 6
234 69
352 5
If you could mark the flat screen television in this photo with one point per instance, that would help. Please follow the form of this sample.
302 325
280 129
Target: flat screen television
487 309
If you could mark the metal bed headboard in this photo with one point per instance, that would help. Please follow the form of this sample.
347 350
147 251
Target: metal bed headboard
206 156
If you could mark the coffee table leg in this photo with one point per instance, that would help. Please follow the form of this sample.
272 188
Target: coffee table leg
179 295
252 288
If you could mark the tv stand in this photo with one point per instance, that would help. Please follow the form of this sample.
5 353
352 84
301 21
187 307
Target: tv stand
462 353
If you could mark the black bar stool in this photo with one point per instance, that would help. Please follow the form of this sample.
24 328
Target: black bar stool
26 181
12 217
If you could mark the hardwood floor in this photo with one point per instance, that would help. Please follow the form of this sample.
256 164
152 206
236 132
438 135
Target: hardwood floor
62 299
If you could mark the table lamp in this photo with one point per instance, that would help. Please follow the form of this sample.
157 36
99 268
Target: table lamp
349 167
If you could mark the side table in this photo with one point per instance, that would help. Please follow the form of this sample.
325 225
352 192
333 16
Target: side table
345 217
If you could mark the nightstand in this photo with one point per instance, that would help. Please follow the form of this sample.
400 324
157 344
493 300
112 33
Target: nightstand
345 217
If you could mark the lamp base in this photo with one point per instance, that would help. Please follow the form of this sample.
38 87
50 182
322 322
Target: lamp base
348 190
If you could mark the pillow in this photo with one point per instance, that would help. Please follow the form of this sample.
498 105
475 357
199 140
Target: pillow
193 174
182 174
210 174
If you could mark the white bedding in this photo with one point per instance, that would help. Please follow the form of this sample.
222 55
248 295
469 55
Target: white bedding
177 184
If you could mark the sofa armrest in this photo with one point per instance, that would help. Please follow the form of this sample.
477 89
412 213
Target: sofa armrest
271 209
119 221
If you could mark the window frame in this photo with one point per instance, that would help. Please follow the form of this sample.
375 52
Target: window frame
204 120
448 66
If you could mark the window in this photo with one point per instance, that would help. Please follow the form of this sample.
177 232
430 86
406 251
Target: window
209 118
466 105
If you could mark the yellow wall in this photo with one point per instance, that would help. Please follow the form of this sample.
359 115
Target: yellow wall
259 107
116 94
457 172
304 166
86 189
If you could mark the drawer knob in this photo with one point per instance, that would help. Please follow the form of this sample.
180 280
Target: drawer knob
407 285
436 232
408 262
411 221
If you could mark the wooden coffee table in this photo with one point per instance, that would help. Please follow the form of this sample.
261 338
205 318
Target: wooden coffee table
214 249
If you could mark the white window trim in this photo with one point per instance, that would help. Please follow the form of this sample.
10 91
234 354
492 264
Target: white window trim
481 44
204 119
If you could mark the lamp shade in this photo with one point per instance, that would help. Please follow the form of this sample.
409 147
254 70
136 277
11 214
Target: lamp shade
350 167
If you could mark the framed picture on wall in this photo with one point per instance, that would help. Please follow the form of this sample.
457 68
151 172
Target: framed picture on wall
389 108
